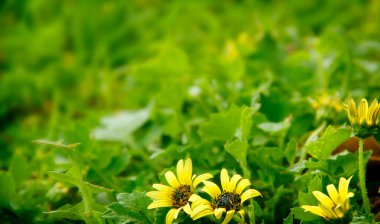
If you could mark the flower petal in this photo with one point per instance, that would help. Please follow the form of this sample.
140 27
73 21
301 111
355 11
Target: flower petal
158 195
232 185
170 216
172 179
315 210
323 199
371 111
181 172
211 189
201 211
242 185
250 193
362 110
218 212
176 213
197 200
188 171
163 188
230 214
201 178
187 209
343 187
333 193
160 203
224 179
242 215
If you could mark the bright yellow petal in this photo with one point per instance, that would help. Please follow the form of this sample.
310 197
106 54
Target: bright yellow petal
160 203
201 178
370 118
218 212
163 188
352 111
187 209
232 185
250 193
180 172
323 199
242 185
177 212
333 193
211 189
172 179
229 216
188 169
197 201
362 110
170 216
242 215
315 210
329 211
158 195
201 211
343 187
224 179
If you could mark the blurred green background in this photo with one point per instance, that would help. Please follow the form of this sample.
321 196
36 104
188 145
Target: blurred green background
66 64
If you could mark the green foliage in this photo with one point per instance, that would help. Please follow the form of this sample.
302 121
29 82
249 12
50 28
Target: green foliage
118 91
329 141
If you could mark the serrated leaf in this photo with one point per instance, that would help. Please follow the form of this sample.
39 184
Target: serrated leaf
330 140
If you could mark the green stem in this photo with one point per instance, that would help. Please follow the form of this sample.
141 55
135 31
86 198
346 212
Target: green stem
362 177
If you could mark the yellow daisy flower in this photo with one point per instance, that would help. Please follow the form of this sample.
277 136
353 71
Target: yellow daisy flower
229 200
178 193
334 206
363 119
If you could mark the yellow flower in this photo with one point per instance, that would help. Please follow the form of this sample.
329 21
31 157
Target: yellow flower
363 119
230 200
178 193
363 115
335 205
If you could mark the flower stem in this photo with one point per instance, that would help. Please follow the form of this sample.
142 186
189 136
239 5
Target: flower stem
362 177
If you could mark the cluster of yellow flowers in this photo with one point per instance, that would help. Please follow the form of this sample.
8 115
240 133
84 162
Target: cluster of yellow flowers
180 195
229 199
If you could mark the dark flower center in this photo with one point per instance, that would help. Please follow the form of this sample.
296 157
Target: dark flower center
227 200
181 196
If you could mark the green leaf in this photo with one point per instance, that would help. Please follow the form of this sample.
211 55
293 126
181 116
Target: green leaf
289 219
291 151
328 142
238 149
246 122
274 128
7 188
222 126
130 208
301 214
19 169
119 127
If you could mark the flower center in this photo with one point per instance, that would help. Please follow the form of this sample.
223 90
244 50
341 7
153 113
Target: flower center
227 200
181 196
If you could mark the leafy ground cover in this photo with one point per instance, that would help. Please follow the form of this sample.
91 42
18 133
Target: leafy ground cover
103 100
